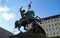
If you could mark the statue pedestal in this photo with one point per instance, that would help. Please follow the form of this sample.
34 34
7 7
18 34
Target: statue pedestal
33 36
29 34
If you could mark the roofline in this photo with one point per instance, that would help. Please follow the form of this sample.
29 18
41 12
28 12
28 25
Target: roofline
6 30
51 17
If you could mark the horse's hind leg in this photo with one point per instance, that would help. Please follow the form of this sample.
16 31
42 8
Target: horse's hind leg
19 28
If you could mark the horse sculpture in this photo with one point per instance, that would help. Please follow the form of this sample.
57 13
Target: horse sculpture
32 31
25 20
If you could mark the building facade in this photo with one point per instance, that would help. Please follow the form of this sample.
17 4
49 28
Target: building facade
51 25
4 33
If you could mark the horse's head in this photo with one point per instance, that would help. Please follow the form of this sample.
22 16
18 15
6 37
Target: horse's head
16 24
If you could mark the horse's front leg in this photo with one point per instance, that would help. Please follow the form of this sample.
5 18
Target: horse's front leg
19 28
24 27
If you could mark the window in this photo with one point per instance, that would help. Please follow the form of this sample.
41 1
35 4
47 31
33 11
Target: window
55 24
54 20
49 29
53 29
46 29
53 33
57 19
49 25
52 25
50 33
56 28
57 33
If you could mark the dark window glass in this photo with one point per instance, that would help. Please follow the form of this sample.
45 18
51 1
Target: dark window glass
57 33
53 29
45 21
52 25
53 33
54 20
46 29
49 29
57 19
50 33
55 24
49 25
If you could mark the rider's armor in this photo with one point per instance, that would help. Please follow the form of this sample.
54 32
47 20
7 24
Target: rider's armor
30 15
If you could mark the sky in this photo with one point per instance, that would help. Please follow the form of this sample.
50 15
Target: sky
9 11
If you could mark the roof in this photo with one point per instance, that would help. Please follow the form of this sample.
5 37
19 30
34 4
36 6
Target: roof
52 17
4 33
1 29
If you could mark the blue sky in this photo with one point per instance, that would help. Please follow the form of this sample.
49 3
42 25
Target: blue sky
9 11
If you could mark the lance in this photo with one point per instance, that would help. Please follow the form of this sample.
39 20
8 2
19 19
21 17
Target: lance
29 6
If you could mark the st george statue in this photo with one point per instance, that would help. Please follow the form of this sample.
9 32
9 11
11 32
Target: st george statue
27 18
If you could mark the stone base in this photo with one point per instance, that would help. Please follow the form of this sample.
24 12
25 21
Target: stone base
28 36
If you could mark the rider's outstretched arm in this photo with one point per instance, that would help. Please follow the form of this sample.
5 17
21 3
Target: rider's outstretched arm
22 12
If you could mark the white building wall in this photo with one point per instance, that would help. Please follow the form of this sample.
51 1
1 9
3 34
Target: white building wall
51 27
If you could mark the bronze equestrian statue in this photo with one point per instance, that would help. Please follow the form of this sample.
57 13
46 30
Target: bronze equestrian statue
26 19
29 18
